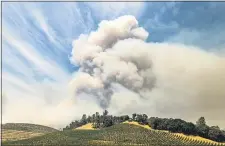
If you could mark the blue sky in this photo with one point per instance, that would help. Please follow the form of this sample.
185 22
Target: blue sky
50 27
37 36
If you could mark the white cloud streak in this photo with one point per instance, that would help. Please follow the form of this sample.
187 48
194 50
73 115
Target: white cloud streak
44 65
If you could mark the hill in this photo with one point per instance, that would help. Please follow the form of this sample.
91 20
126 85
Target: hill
28 127
120 134
190 137
18 131
200 129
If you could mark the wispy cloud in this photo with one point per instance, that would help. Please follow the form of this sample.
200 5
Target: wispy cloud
43 65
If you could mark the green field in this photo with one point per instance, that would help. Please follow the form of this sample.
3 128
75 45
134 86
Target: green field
120 134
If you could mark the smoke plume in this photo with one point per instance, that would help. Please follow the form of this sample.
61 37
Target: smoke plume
126 74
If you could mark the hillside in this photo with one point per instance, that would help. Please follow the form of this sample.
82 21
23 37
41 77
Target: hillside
190 137
19 131
180 127
85 127
28 127
120 134
137 124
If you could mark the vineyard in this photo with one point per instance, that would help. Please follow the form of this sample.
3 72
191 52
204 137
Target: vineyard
120 134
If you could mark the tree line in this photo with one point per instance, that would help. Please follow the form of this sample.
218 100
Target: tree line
188 128
98 120
172 125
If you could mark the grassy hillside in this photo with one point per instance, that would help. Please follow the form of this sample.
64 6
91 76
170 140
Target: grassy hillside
137 124
85 127
28 127
19 131
120 134
13 135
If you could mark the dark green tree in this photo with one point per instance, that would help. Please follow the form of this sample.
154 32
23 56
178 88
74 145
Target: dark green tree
83 119
93 121
97 120
134 116
105 119
105 113
216 134
153 122
201 121
108 121
123 118
144 119
202 128
139 118
89 119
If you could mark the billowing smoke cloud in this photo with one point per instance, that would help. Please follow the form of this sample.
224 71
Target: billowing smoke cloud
127 74
102 63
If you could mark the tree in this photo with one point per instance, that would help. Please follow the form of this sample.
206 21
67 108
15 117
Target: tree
216 134
116 120
123 118
105 113
134 116
144 119
153 122
223 135
202 128
189 128
101 120
74 124
108 121
97 120
89 119
139 118
67 127
93 121
77 124
201 121
83 119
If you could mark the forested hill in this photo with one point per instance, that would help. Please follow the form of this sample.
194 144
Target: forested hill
200 128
